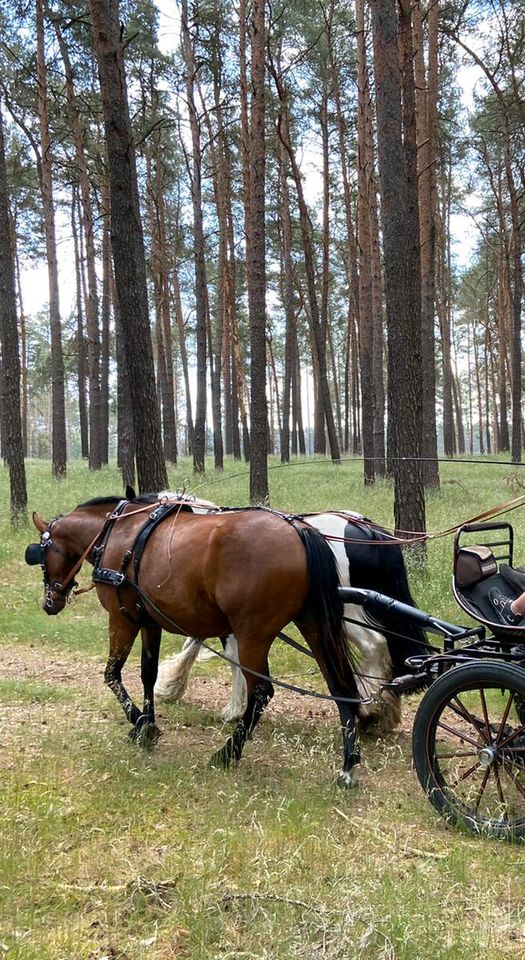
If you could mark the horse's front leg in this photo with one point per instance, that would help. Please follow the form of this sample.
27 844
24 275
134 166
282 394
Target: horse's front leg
145 732
121 637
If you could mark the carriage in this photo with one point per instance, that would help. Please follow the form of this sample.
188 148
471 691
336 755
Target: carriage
469 729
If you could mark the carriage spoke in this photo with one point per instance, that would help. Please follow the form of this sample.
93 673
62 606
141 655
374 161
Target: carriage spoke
485 714
466 774
513 736
458 733
465 714
482 789
510 773
505 715
499 787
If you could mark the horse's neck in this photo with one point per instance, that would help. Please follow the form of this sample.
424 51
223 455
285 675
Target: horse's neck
84 527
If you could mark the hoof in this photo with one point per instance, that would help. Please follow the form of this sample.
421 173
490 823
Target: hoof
347 780
223 758
145 735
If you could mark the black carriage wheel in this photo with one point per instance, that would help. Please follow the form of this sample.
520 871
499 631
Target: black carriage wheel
469 747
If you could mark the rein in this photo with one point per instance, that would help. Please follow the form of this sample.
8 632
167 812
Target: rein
415 535
60 589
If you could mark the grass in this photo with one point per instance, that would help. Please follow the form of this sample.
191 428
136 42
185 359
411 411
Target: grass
107 852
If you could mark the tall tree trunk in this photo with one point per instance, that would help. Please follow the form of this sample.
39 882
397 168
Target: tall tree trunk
81 350
92 304
12 440
320 347
398 180
183 354
105 317
128 247
256 258
201 295
161 286
59 446
287 295
23 345
426 125
366 329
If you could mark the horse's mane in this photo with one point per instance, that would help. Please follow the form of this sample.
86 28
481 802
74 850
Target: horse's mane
107 501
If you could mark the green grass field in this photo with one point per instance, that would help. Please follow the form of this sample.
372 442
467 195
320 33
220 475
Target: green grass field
108 852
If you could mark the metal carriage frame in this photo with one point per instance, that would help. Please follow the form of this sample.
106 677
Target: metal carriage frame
468 736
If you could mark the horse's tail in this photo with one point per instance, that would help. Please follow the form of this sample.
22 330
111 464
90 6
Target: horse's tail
383 569
326 607
174 672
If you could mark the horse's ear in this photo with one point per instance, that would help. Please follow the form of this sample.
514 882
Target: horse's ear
130 493
40 524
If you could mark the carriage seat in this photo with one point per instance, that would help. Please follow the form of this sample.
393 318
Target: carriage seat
476 572
473 564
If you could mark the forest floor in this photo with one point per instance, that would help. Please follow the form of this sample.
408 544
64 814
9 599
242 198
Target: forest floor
110 852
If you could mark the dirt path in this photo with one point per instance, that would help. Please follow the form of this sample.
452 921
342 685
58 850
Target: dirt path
209 693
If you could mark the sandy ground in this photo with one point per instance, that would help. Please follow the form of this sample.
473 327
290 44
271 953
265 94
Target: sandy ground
209 693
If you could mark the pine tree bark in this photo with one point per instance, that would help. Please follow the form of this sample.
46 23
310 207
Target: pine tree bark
366 328
12 440
287 296
105 322
59 446
426 126
306 231
256 258
398 181
128 247
80 351
92 300
201 294
179 319
23 345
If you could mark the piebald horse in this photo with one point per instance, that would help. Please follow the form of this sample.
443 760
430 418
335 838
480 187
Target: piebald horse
245 573
366 557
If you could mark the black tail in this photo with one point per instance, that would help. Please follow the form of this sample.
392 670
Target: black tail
326 607
383 569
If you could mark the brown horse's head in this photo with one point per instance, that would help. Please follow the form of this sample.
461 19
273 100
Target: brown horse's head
56 561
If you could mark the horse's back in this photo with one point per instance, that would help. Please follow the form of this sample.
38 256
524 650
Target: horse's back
232 567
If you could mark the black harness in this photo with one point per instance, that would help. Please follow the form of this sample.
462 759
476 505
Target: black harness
120 578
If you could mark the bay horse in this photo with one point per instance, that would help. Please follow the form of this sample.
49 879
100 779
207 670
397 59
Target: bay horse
245 573
361 562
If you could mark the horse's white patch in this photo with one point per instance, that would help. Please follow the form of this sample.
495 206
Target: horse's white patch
347 779
375 664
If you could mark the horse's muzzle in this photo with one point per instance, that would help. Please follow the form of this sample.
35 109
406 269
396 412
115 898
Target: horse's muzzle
53 603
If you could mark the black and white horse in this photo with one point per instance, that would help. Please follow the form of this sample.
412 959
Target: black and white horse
367 557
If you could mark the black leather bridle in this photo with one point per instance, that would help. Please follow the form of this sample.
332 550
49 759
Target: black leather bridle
36 554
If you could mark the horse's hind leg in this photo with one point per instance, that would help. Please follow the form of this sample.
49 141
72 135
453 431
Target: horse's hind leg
259 692
347 691
145 732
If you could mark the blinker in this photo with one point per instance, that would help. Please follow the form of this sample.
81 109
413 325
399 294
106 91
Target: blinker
33 554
